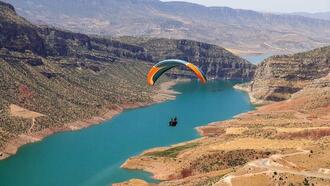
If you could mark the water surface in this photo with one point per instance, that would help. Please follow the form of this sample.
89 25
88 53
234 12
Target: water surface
93 156
256 59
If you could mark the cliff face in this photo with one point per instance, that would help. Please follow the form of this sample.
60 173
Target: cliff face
215 61
17 33
280 76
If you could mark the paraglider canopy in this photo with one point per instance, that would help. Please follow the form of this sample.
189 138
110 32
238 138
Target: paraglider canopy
160 68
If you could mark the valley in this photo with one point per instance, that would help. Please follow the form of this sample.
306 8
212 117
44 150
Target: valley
69 65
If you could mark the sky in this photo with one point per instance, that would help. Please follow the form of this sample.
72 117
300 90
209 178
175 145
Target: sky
286 6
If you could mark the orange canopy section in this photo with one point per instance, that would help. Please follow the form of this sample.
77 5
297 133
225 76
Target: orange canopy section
160 68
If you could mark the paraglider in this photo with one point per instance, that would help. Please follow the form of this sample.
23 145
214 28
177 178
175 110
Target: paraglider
160 68
173 122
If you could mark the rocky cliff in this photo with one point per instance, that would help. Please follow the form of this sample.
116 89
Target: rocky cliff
215 61
278 77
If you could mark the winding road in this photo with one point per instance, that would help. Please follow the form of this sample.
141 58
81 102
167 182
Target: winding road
269 165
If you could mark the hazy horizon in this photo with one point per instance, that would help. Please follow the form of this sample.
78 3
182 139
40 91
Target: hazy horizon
281 6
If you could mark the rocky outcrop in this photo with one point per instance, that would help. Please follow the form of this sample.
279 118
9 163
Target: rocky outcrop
215 61
278 77
17 33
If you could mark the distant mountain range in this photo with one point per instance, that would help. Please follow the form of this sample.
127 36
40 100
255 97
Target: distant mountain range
319 15
241 30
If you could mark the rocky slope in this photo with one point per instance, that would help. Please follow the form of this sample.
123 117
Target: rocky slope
231 28
280 76
63 77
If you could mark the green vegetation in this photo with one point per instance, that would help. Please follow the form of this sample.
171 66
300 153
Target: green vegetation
174 151
306 182
221 160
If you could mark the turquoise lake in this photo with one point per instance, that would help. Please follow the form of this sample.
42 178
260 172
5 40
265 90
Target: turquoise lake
93 156
256 59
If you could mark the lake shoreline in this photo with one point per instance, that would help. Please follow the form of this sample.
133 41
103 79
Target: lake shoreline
249 135
133 163
163 93
246 87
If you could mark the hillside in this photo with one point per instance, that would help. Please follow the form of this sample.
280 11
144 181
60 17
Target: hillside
282 143
243 30
50 78
54 73
280 76
318 15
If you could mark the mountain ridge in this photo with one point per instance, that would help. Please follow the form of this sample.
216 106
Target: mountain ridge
231 28
317 15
